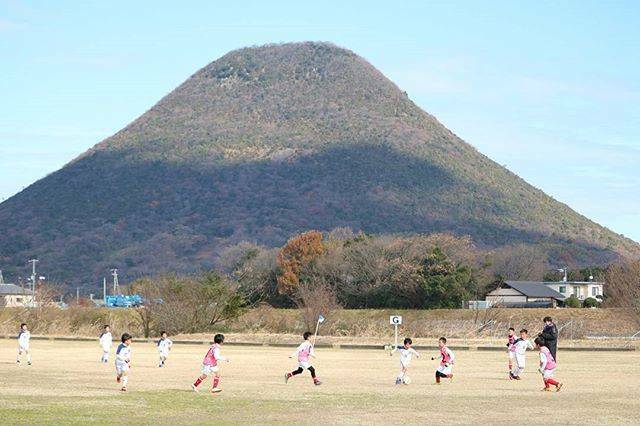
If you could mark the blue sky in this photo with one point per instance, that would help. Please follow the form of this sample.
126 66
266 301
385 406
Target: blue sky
549 89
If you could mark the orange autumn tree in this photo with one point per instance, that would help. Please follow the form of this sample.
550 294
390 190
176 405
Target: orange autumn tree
299 252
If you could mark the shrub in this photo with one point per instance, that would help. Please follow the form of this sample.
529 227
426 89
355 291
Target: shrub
572 302
590 302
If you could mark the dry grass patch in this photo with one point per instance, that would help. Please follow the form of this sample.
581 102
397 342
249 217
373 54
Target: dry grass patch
68 385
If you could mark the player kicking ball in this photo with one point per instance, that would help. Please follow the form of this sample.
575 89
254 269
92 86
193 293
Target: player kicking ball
123 361
303 353
210 365
406 353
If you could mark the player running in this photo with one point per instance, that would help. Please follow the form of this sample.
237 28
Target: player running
210 365
106 340
520 347
547 366
511 338
303 353
164 346
447 358
123 361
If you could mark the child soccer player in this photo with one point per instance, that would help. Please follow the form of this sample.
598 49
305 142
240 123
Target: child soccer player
520 346
23 343
123 360
164 346
303 353
511 336
547 366
106 339
406 353
447 358
210 365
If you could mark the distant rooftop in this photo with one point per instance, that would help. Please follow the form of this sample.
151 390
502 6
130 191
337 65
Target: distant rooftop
534 289
9 289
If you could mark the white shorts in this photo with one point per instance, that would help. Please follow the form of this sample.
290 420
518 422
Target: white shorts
520 360
106 349
547 374
304 365
122 367
23 348
209 369
164 354
512 355
405 364
444 369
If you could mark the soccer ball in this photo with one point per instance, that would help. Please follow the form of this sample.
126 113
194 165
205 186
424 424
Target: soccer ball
406 380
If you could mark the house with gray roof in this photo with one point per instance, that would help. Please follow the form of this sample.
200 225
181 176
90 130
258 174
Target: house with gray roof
12 296
524 294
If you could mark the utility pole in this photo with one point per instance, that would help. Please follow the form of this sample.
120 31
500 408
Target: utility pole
33 277
77 295
1 277
114 273
564 271
104 290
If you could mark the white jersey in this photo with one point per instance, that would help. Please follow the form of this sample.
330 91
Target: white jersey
164 345
406 354
106 340
123 353
521 346
23 339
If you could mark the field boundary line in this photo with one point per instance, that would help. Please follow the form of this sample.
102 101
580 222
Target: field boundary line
331 346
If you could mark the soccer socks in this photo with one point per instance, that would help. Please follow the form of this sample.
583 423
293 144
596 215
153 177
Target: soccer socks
551 381
197 382
515 372
298 371
216 381
124 380
442 375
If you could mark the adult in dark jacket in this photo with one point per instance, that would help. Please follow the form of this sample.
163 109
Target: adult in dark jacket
550 336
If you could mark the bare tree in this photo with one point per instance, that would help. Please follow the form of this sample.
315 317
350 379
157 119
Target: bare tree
314 297
150 291
517 262
186 304
623 288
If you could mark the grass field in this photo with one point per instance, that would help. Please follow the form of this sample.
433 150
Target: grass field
67 384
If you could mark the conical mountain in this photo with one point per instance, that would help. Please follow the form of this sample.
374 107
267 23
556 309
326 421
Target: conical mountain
266 142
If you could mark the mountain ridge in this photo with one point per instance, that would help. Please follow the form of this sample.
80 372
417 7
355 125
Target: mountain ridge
272 140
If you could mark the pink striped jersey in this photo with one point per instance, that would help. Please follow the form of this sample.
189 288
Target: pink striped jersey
512 340
546 359
304 351
213 355
447 356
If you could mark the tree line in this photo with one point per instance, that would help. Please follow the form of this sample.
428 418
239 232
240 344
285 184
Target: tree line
318 272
